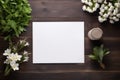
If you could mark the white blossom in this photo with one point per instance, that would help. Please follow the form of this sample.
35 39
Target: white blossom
26 44
84 8
7 61
95 1
109 4
108 10
23 42
105 15
101 19
100 1
14 57
100 13
117 4
25 53
115 11
118 15
14 65
7 52
90 3
82 1
89 10
102 10
111 21
106 7
111 8
97 5
26 59
117 19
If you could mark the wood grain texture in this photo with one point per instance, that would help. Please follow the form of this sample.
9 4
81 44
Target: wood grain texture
69 10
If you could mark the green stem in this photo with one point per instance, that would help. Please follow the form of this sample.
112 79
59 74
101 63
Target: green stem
102 65
7 70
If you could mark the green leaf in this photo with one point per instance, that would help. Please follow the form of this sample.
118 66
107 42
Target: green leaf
106 53
95 51
92 57
101 53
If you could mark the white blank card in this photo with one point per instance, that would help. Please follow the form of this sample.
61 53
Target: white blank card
58 42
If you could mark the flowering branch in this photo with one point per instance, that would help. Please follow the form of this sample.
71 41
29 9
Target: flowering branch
108 9
15 55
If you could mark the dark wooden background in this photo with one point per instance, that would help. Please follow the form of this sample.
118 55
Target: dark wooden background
69 10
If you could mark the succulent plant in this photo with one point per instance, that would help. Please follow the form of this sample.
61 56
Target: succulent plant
98 54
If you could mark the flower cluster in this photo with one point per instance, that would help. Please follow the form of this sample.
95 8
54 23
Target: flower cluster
15 55
108 9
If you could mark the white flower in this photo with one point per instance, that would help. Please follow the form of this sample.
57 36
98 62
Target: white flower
14 57
94 9
14 65
89 10
115 18
23 42
118 15
7 61
111 21
101 19
102 10
25 53
102 6
106 7
26 44
83 1
100 1
94 0
109 13
97 5
26 56
26 59
105 2
100 13
109 4
7 52
84 7
117 4
110 17
105 15
111 8
115 11
90 3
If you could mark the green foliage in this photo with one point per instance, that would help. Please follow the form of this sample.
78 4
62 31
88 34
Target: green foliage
98 54
14 17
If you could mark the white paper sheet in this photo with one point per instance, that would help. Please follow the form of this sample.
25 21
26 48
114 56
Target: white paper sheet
58 42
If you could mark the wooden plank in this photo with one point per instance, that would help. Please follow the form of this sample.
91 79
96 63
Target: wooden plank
68 76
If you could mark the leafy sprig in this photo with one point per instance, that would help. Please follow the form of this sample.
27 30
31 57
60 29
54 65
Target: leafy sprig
98 54
14 17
